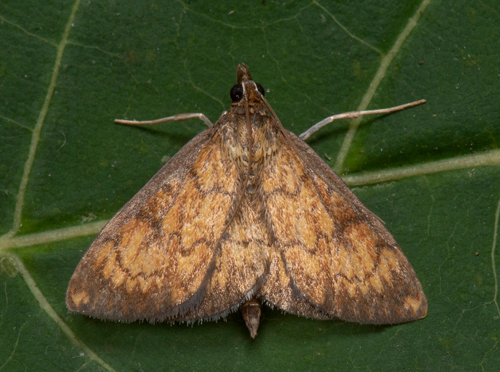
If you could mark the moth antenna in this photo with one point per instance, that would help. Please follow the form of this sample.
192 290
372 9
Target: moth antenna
178 117
356 114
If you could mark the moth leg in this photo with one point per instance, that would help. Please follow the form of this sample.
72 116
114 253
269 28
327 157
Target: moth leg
355 114
178 117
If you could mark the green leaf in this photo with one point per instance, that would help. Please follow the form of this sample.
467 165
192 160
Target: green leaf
431 172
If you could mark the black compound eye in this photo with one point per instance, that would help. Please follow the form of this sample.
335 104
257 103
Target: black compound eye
236 93
261 89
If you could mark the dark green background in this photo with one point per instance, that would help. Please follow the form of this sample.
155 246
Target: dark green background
151 59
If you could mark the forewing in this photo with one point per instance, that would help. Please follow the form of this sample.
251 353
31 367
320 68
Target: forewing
338 255
241 264
154 259
278 290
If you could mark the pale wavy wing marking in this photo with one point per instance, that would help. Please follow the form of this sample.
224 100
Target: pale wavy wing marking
278 291
338 255
152 259
240 265
241 261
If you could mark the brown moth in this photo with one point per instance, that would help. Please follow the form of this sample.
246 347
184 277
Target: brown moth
246 214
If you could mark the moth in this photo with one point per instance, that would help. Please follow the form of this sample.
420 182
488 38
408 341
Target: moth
245 214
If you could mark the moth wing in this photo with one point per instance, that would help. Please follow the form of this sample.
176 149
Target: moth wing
338 256
279 290
154 258
242 260
241 264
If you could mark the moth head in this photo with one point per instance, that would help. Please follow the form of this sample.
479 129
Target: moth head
246 87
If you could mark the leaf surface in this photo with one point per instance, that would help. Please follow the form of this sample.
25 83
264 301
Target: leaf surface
68 69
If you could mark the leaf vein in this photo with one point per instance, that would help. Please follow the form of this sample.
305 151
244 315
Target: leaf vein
374 84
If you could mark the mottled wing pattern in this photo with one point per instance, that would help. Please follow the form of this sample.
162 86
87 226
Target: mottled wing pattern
279 291
334 257
241 262
155 258
240 265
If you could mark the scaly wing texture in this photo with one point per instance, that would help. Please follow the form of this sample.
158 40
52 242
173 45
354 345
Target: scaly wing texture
242 260
334 257
154 259
240 265
279 291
